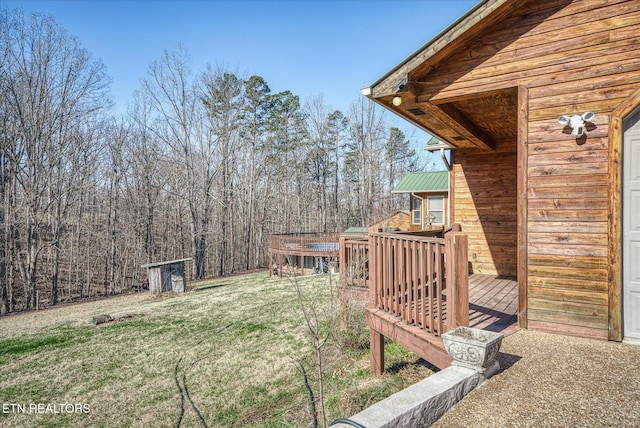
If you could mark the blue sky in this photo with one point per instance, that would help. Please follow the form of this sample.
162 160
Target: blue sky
331 48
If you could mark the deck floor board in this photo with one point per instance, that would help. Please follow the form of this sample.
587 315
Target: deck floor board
493 303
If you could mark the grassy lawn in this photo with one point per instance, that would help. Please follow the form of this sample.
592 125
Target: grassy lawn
232 347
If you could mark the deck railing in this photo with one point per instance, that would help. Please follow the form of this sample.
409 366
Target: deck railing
305 243
354 260
423 281
283 247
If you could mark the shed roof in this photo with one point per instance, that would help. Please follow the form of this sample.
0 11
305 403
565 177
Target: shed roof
423 182
165 263
356 229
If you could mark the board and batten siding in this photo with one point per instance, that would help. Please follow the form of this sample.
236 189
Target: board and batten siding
572 57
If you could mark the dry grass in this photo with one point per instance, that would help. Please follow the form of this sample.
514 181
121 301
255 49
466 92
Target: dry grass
235 341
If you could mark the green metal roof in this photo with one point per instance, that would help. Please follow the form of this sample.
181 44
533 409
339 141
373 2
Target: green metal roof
423 182
432 142
355 229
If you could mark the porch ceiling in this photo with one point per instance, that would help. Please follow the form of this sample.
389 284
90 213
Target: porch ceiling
492 114
475 121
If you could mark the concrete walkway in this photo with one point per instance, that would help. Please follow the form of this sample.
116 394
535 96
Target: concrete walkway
555 381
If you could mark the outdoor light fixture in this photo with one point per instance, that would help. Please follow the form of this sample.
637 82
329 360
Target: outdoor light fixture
576 122
397 101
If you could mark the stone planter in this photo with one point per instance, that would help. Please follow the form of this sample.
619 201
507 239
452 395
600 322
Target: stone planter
474 349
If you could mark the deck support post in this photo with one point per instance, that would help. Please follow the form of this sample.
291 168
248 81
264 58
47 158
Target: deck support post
457 271
342 260
377 352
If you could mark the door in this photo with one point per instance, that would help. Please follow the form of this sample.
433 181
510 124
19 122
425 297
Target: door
177 278
631 227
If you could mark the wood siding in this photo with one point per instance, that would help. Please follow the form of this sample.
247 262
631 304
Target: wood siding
486 207
399 219
572 57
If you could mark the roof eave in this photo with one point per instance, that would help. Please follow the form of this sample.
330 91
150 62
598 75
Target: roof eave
446 37
420 191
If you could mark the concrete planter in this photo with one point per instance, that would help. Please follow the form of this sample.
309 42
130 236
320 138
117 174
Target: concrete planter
474 349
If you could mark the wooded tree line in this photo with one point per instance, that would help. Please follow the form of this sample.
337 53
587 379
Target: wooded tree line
205 164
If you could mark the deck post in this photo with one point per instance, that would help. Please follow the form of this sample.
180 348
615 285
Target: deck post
376 339
342 260
457 277
377 352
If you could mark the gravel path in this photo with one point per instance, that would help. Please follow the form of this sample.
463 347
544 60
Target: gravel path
555 381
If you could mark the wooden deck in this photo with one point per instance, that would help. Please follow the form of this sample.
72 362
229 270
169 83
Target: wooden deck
493 303
493 306
420 288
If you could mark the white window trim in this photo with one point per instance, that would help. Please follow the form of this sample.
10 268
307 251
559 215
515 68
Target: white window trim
413 210
441 210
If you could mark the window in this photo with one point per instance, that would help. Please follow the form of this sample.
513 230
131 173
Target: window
416 210
435 209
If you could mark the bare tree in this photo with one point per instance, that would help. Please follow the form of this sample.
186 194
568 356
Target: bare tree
254 132
400 158
363 169
50 84
323 153
146 179
320 326
223 99
175 98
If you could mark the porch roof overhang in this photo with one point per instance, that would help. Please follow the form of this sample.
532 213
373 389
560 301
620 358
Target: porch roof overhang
461 122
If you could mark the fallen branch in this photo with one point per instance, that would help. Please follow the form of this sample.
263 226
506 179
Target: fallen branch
105 318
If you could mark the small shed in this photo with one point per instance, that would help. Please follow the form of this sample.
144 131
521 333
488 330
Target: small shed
167 276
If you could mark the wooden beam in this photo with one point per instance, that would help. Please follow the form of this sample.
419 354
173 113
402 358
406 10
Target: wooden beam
409 336
522 159
439 99
342 260
615 229
461 125
452 188
616 142
476 135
